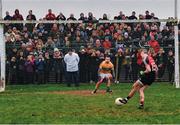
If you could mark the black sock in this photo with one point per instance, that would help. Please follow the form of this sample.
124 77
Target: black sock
127 98
95 90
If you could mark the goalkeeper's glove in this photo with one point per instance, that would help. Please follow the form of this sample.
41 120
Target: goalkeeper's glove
141 72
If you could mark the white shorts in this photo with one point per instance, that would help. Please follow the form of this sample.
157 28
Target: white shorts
103 75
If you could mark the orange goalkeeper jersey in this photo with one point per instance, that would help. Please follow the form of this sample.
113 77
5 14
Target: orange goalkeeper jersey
106 67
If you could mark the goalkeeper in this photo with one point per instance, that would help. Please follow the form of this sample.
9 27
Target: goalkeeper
105 69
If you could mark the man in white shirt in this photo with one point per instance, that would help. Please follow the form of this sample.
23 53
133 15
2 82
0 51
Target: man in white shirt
71 60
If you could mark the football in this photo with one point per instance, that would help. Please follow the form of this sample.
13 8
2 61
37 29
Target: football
117 101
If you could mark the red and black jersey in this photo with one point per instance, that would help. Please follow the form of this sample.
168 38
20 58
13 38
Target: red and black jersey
150 61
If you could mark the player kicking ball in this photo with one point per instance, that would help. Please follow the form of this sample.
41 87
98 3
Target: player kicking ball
105 69
147 77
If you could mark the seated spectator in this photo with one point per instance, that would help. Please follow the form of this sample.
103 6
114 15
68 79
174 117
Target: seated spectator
154 44
107 44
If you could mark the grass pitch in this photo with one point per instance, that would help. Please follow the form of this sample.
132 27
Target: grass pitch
50 104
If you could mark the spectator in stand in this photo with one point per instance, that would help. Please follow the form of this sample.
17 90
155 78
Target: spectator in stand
61 16
104 17
71 60
153 16
17 16
133 16
30 17
154 44
82 17
50 15
91 18
141 17
8 17
71 17
7 26
107 44
147 15
119 17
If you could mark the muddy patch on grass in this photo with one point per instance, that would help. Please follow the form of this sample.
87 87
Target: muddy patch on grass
79 92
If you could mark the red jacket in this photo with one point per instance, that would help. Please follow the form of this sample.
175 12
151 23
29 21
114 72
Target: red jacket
155 45
107 44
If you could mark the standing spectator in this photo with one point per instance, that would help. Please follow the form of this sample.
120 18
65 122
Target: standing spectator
82 65
13 70
29 65
134 65
127 63
47 67
133 16
30 17
7 17
18 16
91 18
61 17
49 16
71 17
7 26
119 17
58 65
82 17
20 67
72 61
40 65
119 59
161 63
147 16
104 17
170 65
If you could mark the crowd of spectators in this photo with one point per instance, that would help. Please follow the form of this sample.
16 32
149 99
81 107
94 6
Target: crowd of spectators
34 51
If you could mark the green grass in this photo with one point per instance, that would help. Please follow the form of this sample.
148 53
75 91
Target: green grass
34 104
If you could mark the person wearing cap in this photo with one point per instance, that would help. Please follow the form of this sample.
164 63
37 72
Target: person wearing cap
71 60
58 65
